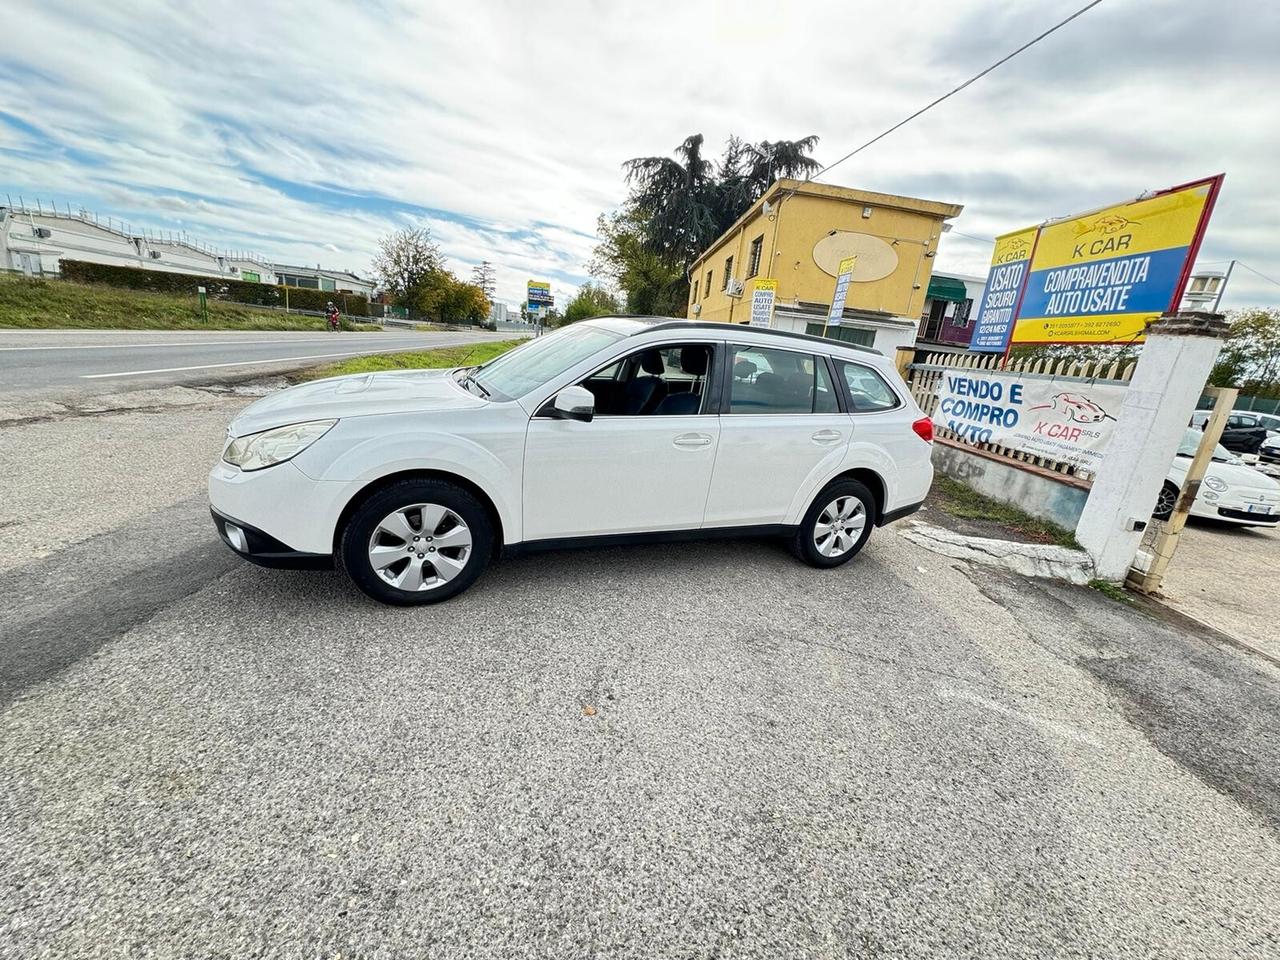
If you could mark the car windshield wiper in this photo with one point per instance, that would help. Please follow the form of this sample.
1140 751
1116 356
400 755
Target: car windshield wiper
470 378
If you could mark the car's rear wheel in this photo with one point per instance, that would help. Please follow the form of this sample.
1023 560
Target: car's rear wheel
1166 501
836 525
417 541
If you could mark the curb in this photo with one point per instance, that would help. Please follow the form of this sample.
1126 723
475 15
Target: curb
1026 559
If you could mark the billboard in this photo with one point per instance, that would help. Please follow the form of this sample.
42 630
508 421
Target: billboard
762 298
539 294
1005 282
1101 277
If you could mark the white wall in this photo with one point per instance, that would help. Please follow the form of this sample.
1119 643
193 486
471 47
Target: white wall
888 337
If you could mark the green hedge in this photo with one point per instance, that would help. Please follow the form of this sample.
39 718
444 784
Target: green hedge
217 288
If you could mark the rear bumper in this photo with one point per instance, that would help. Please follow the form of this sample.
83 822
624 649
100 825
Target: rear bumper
261 548
892 515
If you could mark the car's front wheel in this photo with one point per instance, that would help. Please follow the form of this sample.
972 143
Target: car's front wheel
1165 503
836 525
417 541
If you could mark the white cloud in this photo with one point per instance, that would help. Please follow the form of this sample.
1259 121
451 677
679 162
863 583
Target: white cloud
512 120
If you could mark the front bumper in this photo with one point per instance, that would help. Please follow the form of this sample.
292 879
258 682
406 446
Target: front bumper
282 503
263 549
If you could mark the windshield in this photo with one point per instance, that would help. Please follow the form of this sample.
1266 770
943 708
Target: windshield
534 363
1191 443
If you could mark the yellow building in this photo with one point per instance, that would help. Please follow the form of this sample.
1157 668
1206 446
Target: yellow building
798 233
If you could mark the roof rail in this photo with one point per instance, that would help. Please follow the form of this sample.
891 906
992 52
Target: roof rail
674 323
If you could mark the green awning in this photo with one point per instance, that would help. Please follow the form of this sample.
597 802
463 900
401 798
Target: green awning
947 288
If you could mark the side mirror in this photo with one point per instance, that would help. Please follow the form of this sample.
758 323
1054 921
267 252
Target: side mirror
574 403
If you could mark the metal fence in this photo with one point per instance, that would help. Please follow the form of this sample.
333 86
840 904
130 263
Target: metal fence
927 372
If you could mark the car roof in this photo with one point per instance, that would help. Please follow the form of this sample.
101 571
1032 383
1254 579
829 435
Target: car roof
634 325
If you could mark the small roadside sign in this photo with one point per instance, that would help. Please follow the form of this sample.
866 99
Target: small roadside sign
843 278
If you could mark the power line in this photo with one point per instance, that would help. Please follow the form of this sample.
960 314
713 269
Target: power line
1241 263
977 76
970 236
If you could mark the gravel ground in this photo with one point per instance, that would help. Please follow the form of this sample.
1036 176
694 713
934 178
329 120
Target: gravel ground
1227 577
697 750
108 468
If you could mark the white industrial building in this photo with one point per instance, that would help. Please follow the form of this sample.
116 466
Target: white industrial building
318 278
35 240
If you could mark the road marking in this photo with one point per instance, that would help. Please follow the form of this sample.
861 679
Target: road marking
244 363
200 343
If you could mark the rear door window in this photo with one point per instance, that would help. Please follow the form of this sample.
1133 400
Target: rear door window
779 381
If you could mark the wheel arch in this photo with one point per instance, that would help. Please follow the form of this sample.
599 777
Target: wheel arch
872 481
378 484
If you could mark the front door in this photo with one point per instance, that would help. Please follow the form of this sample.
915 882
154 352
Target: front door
782 427
642 464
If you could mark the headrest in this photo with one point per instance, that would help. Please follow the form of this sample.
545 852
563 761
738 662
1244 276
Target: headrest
651 362
693 360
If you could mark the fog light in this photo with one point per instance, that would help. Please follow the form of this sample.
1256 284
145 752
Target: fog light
236 537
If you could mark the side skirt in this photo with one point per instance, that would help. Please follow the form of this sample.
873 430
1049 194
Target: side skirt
659 536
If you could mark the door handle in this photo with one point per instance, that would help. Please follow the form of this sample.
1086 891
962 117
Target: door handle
692 440
827 436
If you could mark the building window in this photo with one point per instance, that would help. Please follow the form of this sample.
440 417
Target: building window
728 273
327 284
844 333
963 310
753 260
706 291
693 292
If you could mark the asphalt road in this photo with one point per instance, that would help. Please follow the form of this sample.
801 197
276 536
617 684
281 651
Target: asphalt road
45 363
902 757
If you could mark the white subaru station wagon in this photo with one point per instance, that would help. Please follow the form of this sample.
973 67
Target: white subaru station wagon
616 429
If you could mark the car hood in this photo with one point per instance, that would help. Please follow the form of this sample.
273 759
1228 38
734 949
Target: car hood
1232 474
358 395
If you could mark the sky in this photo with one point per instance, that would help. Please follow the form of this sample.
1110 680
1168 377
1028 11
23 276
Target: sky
305 131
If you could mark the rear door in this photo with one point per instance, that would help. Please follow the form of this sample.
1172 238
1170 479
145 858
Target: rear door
780 426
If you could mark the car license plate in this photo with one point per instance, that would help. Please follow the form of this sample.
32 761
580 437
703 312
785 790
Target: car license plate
1259 508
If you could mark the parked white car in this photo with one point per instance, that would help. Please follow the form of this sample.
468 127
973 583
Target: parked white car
1269 452
1230 491
614 428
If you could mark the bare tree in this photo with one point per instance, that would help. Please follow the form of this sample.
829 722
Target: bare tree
406 260
483 277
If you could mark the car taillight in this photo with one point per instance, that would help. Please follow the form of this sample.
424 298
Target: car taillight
924 429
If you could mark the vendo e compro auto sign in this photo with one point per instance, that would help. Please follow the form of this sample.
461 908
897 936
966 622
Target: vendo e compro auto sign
1060 418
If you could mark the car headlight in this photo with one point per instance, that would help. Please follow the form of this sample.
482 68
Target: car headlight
1214 483
266 449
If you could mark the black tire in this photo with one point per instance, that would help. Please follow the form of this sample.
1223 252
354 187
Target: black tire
803 543
1166 501
354 548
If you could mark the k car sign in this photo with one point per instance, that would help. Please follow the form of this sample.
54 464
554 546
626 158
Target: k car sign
1063 419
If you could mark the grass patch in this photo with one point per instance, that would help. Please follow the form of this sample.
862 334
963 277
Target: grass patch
1112 590
28 304
461 356
955 498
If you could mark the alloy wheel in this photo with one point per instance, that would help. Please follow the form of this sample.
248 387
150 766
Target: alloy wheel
420 547
1166 501
839 526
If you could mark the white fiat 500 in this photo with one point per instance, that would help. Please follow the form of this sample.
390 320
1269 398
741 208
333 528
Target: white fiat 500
611 429
1231 491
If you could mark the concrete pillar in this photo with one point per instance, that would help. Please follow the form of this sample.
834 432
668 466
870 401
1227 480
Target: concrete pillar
1175 363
